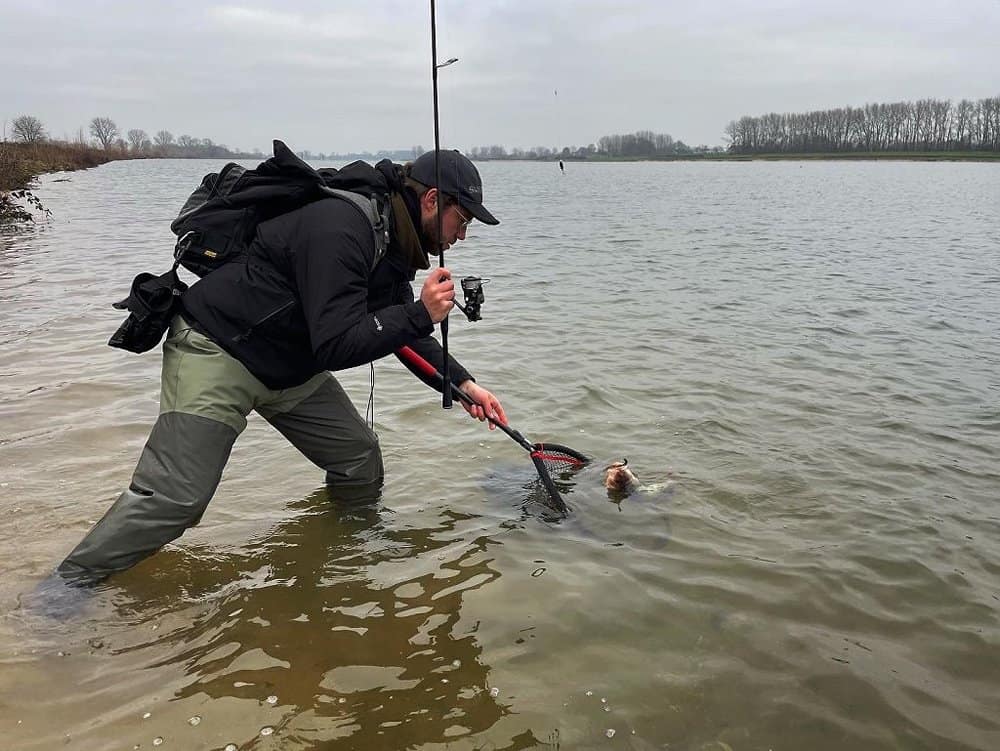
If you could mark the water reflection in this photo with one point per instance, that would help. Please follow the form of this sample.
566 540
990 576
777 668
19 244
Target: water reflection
351 621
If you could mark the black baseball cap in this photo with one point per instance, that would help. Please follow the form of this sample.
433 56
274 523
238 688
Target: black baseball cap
459 178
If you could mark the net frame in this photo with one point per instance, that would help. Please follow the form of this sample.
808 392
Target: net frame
550 458
547 457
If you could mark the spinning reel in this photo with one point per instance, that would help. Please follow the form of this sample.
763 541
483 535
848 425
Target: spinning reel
472 288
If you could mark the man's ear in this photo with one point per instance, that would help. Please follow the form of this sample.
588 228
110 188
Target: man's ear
428 201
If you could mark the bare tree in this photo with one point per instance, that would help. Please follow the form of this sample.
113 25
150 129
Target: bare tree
185 141
163 138
923 125
136 136
104 130
28 129
963 123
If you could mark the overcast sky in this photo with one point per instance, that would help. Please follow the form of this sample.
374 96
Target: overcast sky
339 76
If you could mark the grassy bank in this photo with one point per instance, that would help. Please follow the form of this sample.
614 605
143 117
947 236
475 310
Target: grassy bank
21 163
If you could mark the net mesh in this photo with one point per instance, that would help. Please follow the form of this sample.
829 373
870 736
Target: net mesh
558 459
553 459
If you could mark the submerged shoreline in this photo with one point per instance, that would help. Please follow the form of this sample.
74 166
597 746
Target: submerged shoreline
22 163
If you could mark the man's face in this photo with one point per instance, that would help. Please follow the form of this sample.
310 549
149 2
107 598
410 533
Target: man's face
454 221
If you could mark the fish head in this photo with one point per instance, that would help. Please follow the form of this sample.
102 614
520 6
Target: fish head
619 478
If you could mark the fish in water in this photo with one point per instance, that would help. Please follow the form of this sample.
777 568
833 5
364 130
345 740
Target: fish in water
619 479
621 482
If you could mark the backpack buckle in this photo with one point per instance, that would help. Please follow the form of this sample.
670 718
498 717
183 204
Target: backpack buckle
183 243
381 209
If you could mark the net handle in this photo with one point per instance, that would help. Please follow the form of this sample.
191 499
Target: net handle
430 371
535 450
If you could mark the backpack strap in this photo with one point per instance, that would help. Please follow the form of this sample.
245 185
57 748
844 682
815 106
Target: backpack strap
377 210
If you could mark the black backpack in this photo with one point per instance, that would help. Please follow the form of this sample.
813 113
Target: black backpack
219 219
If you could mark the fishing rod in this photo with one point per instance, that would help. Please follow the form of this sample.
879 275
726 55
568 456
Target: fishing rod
446 400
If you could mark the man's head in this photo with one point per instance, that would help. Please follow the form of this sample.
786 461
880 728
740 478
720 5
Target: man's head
460 192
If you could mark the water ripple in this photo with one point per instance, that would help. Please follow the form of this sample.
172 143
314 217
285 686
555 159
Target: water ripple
798 359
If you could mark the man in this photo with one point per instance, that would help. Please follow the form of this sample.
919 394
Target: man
263 335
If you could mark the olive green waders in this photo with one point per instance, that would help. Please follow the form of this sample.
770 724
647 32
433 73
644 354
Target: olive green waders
205 398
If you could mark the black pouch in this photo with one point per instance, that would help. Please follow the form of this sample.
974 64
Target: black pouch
152 303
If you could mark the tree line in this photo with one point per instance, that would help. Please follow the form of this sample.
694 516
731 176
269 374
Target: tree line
926 125
643 144
920 126
136 142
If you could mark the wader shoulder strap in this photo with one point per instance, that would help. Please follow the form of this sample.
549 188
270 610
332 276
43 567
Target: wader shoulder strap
376 209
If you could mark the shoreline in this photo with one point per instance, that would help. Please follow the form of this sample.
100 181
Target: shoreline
22 163
867 156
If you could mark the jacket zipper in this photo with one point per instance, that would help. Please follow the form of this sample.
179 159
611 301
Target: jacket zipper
246 334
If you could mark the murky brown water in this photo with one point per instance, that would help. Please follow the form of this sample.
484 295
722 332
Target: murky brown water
812 348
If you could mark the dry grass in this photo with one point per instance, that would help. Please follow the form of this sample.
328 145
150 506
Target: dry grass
21 163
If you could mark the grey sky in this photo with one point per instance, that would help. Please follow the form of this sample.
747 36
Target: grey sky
350 76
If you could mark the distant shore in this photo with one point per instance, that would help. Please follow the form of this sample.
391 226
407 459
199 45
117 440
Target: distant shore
911 156
21 163
905 156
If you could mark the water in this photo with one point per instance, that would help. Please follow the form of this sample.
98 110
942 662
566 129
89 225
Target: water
811 348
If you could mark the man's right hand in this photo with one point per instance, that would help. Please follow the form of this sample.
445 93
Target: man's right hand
438 294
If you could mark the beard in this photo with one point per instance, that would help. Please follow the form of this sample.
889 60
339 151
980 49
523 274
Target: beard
429 236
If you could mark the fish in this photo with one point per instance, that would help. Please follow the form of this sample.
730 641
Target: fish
619 479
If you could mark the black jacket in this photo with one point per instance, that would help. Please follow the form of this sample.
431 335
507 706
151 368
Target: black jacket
308 300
